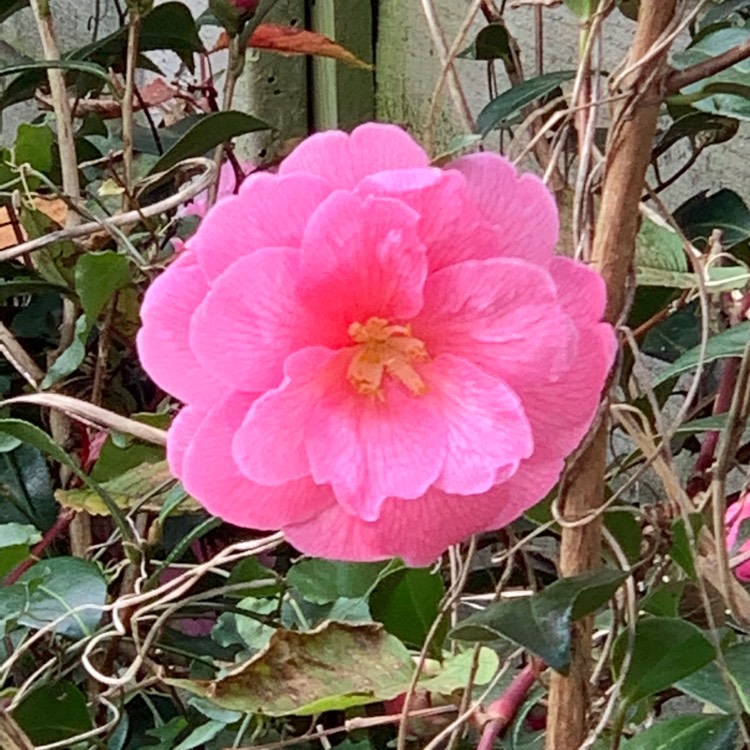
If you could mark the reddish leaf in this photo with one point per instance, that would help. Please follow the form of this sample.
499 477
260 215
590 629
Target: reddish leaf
287 40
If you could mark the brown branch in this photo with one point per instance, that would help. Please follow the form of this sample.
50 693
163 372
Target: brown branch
628 157
678 79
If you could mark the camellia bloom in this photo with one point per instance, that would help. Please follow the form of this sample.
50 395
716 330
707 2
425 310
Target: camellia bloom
377 356
737 514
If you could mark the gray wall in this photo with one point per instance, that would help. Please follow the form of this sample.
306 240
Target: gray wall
408 67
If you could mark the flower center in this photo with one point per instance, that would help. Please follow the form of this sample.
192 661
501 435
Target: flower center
385 350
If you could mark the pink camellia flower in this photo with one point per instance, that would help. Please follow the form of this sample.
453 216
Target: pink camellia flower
379 357
737 514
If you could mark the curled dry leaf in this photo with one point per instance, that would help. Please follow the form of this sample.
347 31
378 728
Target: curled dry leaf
152 480
287 40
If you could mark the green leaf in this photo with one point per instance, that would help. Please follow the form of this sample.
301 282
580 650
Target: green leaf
681 550
199 736
723 210
729 343
53 713
502 109
250 570
98 276
15 542
26 494
687 733
456 671
407 602
708 94
70 360
626 529
491 43
541 623
59 585
665 651
34 147
723 10
708 685
211 130
324 581
335 667
583 8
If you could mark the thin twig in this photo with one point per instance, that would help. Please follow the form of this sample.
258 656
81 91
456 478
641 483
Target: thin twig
679 79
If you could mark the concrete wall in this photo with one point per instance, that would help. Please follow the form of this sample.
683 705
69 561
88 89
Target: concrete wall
408 68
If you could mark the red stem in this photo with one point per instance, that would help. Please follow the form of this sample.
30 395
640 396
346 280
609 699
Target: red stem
502 711
57 528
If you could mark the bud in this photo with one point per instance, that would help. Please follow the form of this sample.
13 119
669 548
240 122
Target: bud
738 538
233 14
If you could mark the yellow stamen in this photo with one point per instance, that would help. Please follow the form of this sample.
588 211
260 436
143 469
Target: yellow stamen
385 350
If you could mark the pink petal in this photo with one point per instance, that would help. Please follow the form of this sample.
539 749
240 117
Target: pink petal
362 257
418 531
269 446
343 159
181 432
369 449
520 206
561 410
269 211
163 340
580 290
212 478
450 226
501 314
251 320
487 428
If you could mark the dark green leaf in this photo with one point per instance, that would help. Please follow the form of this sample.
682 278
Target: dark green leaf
26 494
541 623
700 128
32 435
9 7
491 43
665 651
664 600
723 10
168 26
675 335
53 713
251 571
708 685
70 360
723 210
210 131
407 603
687 733
15 541
502 109
59 585
98 276
626 529
729 343
681 551
34 146
324 581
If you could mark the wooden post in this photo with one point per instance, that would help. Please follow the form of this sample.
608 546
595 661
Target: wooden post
628 156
